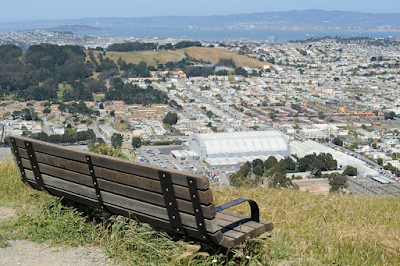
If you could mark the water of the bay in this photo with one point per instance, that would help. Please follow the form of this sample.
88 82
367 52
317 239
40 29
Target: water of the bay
221 35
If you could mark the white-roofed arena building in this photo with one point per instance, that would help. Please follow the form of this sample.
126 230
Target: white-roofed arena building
221 150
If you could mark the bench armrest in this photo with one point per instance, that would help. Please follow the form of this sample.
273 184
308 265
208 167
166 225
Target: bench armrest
255 213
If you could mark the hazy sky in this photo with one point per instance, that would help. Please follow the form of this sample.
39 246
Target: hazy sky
17 10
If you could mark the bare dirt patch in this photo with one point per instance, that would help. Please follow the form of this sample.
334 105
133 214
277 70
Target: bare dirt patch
317 187
7 213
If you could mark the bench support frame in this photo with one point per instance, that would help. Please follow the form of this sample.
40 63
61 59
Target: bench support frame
198 213
94 180
170 202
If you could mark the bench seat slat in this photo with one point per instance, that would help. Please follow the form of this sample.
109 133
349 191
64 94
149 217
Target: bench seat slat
156 211
214 237
111 162
243 228
268 225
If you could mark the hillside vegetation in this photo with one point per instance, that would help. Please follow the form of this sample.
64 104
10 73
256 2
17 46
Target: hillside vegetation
309 229
214 54
152 58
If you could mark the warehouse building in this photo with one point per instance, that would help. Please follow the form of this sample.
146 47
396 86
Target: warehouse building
230 150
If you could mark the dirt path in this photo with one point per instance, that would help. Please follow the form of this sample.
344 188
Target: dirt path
22 252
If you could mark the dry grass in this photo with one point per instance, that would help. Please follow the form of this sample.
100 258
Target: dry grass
326 229
309 229
150 57
214 54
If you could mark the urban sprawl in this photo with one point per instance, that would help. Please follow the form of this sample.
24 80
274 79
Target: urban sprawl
336 96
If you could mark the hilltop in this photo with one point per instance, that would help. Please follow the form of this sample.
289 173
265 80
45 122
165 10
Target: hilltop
309 229
214 54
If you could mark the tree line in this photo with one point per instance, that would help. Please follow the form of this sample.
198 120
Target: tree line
132 94
69 137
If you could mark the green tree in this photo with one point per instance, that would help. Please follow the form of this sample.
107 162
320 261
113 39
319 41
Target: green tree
257 162
380 161
278 180
101 106
136 142
61 107
338 141
209 113
240 71
337 182
170 119
116 140
112 113
46 111
258 170
290 164
350 170
270 162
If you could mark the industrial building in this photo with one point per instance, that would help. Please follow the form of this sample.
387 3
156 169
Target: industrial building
224 150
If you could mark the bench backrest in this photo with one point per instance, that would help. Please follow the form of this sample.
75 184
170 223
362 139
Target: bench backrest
166 198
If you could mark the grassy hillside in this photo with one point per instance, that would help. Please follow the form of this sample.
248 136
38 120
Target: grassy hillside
309 229
214 54
150 57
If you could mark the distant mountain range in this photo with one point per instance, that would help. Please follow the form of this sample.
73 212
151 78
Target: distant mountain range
316 20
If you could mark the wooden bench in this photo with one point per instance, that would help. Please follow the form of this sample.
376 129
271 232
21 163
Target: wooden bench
169 199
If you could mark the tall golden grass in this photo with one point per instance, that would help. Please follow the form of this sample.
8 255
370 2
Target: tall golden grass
326 229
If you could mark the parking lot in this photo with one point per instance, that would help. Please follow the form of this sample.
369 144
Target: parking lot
160 156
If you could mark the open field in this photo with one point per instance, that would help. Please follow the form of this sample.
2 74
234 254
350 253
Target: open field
150 57
318 187
310 229
214 54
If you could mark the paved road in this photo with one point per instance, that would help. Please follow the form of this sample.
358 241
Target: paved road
181 56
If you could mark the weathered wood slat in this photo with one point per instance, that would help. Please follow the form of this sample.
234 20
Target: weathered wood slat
126 166
268 225
72 196
151 197
55 161
214 237
227 242
65 185
112 175
111 162
155 198
61 173
238 237
242 228
150 184
156 211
